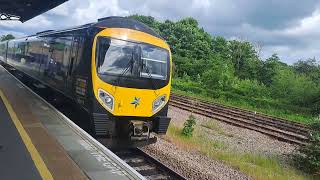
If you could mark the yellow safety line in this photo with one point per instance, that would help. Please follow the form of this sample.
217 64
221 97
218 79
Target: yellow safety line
41 166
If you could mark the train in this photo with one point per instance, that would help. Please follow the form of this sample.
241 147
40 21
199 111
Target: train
117 70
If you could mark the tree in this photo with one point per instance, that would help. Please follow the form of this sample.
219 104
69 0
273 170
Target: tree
219 67
308 67
148 20
220 47
268 69
244 58
6 37
294 88
220 76
187 39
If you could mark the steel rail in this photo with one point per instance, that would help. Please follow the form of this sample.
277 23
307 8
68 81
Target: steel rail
282 130
147 165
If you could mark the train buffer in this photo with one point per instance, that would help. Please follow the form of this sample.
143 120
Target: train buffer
39 142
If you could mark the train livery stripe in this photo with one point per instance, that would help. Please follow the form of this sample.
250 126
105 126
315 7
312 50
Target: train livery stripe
36 157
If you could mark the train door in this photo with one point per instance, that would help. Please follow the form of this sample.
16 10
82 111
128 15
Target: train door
72 63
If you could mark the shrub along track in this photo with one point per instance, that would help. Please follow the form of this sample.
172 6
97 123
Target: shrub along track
281 129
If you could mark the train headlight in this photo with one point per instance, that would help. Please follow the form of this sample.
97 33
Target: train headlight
106 98
158 103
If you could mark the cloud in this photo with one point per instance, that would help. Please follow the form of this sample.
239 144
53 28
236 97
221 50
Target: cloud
71 13
287 27
201 4
97 9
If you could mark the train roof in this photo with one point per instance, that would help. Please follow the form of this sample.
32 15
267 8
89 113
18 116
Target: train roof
108 22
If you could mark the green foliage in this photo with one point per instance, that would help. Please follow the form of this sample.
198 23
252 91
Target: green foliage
187 66
233 71
254 165
269 69
220 76
251 88
308 67
244 58
264 105
297 89
308 157
148 20
316 125
186 39
189 126
6 37
220 47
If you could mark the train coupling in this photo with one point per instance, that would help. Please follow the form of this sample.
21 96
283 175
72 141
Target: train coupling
141 129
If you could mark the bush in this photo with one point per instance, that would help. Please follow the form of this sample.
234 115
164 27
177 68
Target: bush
219 77
308 157
187 85
188 126
250 88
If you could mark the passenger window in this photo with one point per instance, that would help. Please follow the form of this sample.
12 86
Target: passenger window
57 67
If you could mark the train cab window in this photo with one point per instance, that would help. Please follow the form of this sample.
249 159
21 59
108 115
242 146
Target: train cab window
118 57
115 57
154 61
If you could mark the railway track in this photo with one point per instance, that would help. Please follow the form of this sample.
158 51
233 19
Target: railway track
146 165
141 161
278 128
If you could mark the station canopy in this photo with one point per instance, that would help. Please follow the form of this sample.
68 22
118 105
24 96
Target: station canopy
24 10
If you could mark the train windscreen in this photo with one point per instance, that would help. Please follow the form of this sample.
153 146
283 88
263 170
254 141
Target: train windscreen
124 58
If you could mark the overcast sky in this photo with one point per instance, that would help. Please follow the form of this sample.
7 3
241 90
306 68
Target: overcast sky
290 28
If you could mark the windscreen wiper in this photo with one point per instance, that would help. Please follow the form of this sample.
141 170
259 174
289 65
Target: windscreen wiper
151 79
124 71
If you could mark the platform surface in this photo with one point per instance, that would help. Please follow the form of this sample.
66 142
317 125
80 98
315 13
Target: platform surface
13 153
57 148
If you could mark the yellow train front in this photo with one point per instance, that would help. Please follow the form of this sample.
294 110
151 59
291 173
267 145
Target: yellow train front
116 70
131 78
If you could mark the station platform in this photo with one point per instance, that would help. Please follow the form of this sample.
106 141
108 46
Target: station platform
39 142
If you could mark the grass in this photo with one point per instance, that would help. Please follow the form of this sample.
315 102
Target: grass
256 166
214 126
269 110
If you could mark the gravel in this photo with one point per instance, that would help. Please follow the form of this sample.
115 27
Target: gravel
191 164
235 138
195 165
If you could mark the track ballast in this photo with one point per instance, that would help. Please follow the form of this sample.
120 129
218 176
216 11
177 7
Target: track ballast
147 165
281 129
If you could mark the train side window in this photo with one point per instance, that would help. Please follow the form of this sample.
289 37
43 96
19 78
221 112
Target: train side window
3 51
66 56
79 54
35 51
60 54
101 50
10 50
